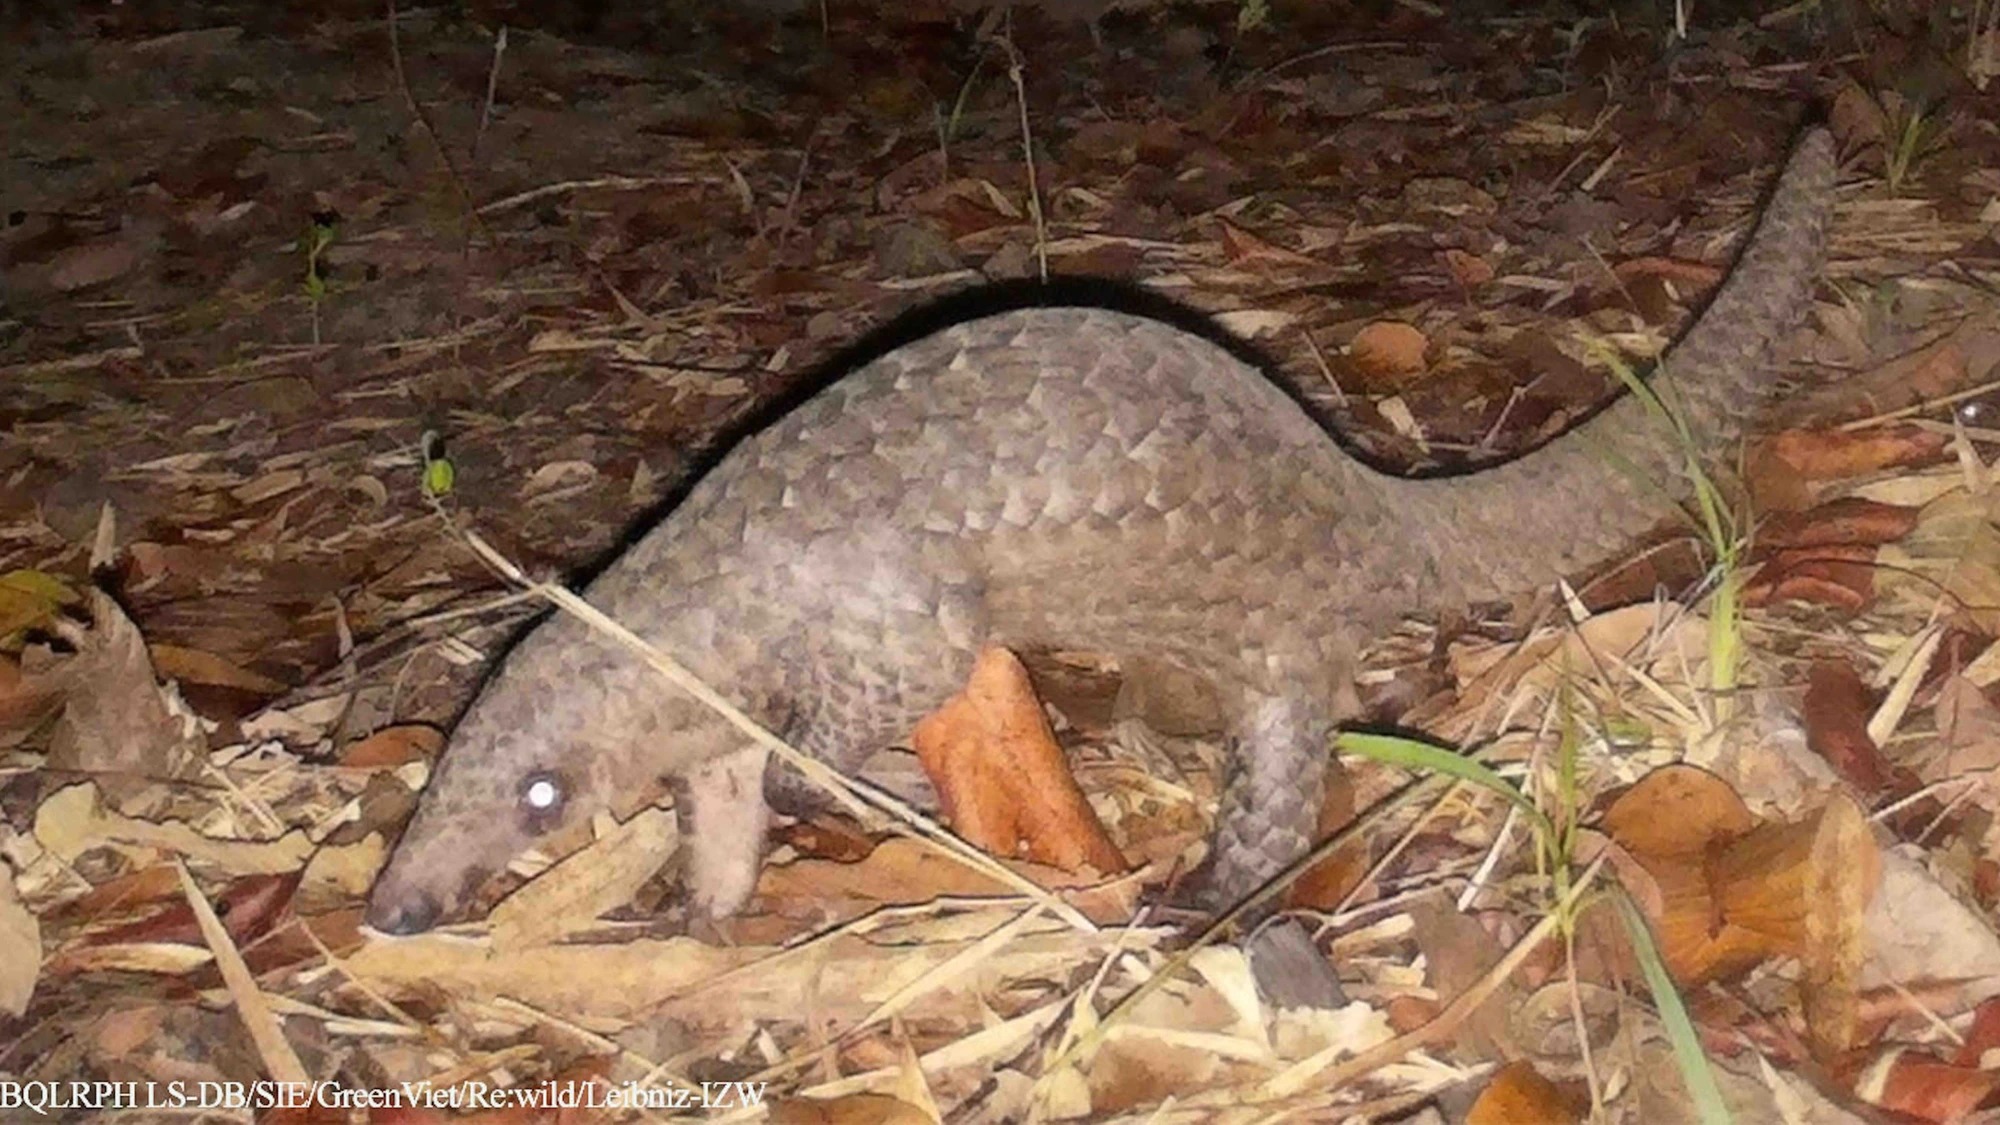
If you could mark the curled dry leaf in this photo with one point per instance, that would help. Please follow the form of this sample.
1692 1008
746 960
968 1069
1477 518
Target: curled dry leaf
1805 888
1002 778
1732 892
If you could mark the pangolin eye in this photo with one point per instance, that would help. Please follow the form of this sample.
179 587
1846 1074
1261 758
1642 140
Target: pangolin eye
542 796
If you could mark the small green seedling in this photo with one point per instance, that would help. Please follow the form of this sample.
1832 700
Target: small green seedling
319 235
439 475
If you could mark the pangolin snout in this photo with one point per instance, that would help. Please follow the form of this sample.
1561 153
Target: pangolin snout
411 912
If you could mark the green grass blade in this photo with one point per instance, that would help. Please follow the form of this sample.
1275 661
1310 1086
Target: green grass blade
1422 757
1695 1071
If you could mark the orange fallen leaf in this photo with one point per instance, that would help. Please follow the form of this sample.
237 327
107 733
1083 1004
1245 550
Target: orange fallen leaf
1729 892
394 746
1388 353
1001 777
1519 1094
1808 586
1676 812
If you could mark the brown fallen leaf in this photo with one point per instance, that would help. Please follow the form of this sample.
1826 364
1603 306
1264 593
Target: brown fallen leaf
26 701
126 893
1240 247
1461 952
193 666
1469 270
115 719
1837 455
1001 777
1692 278
250 908
1917 1086
1836 711
1982 1036
1518 1094
1841 576
1826 555
1848 520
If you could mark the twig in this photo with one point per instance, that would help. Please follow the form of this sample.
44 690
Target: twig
1014 68
424 122
492 89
